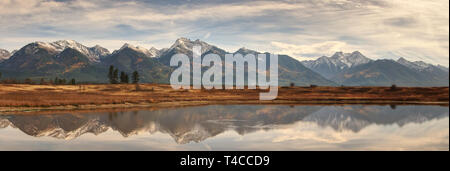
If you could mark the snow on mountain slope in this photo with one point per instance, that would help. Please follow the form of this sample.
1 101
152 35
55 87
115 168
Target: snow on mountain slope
99 51
328 66
154 52
93 53
140 49
420 65
185 44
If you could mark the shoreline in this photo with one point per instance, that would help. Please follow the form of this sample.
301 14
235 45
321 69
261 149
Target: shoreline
177 104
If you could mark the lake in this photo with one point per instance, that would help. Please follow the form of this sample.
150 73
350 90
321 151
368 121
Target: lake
234 127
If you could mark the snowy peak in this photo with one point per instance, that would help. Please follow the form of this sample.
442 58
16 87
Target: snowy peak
329 66
139 49
338 55
244 51
62 44
185 44
418 65
339 60
155 52
41 45
100 51
349 59
93 53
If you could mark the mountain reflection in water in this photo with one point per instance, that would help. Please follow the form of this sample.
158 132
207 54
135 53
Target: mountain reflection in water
196 124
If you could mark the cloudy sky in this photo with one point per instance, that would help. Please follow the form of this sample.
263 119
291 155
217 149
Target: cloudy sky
304 29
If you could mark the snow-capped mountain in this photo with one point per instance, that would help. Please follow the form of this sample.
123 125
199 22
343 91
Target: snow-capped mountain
420 65
244 50
386 72
350 59
139 49
32 57
183 44
329 66
293 71
100 51
154 52
70 59
131 58
4 54
93 53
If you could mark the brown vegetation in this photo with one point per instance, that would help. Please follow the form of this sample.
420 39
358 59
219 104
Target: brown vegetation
20 95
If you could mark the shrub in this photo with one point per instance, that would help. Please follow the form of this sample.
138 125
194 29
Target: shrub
393 87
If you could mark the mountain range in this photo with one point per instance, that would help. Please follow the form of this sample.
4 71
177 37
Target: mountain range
70 59
329 66
355 69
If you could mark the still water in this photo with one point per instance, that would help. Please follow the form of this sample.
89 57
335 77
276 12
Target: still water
234 127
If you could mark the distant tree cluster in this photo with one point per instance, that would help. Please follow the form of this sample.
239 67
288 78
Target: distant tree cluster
59 81
42 81
114 78
10 81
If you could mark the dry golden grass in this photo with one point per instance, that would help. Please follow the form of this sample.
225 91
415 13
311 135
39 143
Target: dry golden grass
20 95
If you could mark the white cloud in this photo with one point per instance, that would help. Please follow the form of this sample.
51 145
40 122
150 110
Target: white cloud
416 29
207 35
311 51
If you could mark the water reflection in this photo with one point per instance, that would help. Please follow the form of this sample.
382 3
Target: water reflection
197 124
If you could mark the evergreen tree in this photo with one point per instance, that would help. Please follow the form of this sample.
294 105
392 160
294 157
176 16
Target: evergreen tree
127 79
122 77
56 80
135 77
72 81
111 74
115 76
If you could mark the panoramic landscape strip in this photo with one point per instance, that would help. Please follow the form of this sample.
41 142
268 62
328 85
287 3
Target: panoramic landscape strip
41 62
66 75
225 83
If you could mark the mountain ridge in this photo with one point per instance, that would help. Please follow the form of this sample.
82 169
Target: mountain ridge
68 58
328 66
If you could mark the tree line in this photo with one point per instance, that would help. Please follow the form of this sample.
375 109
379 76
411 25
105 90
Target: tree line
42 81
114 78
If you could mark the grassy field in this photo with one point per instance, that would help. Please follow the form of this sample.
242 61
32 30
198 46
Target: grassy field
14 96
